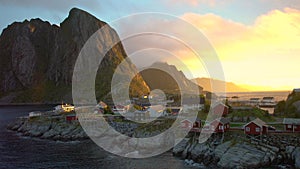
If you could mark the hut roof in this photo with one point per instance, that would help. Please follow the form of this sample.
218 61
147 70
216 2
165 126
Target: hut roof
258 122
223 120
291 121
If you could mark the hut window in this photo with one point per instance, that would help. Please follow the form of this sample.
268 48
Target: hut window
257 129
247 128
289 126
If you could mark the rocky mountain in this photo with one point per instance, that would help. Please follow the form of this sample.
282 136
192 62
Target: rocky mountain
37 59
169 79
230 87
289 107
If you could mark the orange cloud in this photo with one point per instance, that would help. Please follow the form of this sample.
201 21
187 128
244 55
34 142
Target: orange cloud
276 30
218 30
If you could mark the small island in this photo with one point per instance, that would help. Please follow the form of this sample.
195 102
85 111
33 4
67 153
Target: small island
248 137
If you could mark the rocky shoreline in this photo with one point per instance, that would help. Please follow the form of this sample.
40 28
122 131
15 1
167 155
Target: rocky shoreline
236 151
57 128
239 153
47 127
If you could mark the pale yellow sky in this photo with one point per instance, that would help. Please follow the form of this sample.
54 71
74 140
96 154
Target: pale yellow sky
265 53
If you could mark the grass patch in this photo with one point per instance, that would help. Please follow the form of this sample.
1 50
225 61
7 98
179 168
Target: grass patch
254 113
156 126
202 115
237 124
278 126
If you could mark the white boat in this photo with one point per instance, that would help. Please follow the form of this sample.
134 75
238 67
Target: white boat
35 114
101 105
119 109
267 102
64 108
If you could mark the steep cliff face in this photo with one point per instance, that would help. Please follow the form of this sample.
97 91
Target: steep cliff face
23 49
37 59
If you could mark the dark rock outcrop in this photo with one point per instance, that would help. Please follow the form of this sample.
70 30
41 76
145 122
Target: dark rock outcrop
47 127
239 153
38 58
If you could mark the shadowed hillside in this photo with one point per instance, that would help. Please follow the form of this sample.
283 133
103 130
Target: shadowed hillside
37 59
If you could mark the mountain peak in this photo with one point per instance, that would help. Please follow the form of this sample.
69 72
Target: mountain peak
164 65
160 63
79 12
36 55
76 10
80 19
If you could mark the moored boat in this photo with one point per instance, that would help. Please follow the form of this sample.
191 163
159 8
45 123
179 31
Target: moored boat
267 102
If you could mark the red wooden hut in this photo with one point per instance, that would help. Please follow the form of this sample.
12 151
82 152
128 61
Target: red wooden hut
220 125
197 124
71 117
256 127
188 124
291 124
220 108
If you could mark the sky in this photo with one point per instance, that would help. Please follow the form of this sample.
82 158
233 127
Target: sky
257 41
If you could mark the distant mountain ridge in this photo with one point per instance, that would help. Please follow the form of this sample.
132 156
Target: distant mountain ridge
229 86
167 77
37 59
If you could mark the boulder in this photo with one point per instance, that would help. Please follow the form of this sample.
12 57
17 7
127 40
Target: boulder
242 155
208 157
180 147
185 152
198 152
15 125
296 157
289 151
49 134
221 149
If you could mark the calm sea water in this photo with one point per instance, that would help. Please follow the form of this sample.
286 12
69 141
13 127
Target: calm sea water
23 152
278 96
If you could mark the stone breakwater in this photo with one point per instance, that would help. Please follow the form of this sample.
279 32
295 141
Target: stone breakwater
47 127
241 153
57 128
127 141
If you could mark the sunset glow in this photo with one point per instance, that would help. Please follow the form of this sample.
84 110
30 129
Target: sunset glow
263 54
